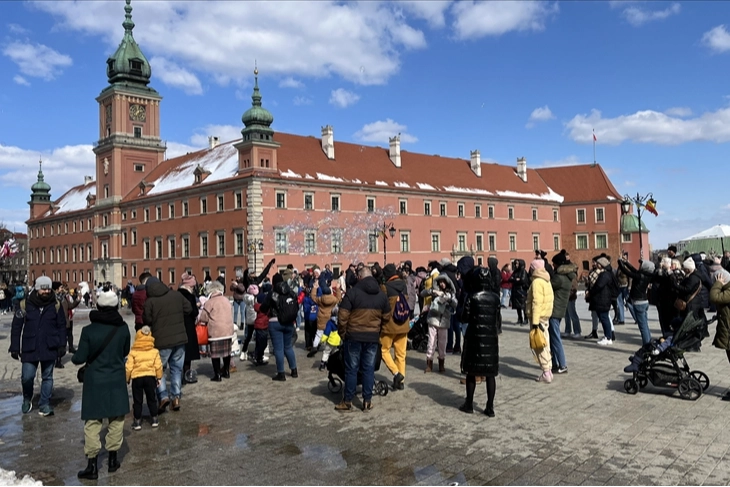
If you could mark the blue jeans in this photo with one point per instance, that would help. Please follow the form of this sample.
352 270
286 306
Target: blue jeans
556 344
572 322
606 322
453 340
282 339
622 297
506 293
359 357
300 316
174 358
641 311
27 378
239 313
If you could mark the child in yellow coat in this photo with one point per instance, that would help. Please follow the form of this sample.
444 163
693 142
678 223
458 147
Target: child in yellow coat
330 338
144 369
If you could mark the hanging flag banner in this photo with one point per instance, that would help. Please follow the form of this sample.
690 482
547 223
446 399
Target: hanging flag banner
651 207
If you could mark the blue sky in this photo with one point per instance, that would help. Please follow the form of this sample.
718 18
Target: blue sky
508 78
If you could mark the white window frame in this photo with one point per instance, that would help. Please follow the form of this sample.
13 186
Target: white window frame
443 209
336 241
513 242
461 243
405 241
304 201
203 205
578 236
510 212
460 210
335 198
185 208
367 204
204 245
492 242
477 210
603 214
556 241
577 216
479 241
186 246
310 242
402 206
158 248
626 238
535 214
171 211
220 239
437 247
281 242
556 215
595 240
427 208
535 241
220 203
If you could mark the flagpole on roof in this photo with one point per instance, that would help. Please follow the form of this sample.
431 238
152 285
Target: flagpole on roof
594 147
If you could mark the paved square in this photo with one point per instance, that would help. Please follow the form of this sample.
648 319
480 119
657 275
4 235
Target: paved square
581 429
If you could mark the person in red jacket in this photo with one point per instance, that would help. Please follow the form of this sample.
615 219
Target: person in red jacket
261 328
506 286
138 299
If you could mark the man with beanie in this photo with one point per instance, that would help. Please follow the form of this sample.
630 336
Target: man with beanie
164 313
41 323
394 334
602 295
561 282
638 298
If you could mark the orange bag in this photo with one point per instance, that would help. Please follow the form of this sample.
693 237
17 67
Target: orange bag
202 332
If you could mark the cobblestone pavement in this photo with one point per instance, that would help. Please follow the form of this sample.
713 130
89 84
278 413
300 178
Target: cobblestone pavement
581 429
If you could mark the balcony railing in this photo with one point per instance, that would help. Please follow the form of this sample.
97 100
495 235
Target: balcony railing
131 140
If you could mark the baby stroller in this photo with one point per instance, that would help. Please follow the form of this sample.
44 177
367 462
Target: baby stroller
418 334
669 368
336 375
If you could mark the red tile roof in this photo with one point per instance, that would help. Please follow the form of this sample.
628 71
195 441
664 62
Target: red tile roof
581 183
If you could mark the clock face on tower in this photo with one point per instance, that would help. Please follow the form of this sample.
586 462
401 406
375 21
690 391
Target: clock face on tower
137 113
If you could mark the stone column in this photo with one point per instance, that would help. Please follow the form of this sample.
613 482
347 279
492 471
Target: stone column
255 224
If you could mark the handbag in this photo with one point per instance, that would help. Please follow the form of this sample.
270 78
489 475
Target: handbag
202 332
537 338
681 304
82 371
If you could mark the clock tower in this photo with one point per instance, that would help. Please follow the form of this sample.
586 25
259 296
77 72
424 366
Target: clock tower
129 145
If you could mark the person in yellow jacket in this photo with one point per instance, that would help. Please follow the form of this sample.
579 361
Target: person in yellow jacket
433 273
144 369
330 338
539 309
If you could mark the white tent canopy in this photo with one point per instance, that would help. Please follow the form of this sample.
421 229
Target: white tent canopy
718 231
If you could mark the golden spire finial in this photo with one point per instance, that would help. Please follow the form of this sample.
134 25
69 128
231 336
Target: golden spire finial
255 68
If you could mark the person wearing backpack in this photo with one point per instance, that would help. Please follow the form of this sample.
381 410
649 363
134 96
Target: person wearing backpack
394 335
18 296
329 298
281 306
37 333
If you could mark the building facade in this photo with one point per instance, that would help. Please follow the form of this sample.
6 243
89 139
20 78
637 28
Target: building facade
14 268
299 199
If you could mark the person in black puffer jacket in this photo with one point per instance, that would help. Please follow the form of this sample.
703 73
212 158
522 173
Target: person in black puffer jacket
282 334
601 298
638 299
481 340
520 283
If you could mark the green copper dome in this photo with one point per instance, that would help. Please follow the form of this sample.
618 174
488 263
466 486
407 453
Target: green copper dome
257 119
128 64
41 189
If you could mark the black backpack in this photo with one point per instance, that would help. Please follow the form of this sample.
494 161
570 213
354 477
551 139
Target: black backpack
287 308
401 311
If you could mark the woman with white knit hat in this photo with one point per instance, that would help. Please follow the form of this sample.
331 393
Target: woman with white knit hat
689 289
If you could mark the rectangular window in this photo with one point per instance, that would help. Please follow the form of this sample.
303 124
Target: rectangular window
280 200
239 200
477 211
555 215
535 241
124 219
220 202
89 253
139 167
512 243
442 209
581 242
65 228
146 214
336 239
601 241
106 191
172 275
239 244
51 256
65 255
626 238
134 217
88 224
461 242
281 245
600 217
158 213
134 270
134 237
405 242
403 207
310 244
427 208
159 274
490 211
171 248
186 247
534 214
81 253
185 209
556 242
137 132
480 242
492 242
204 205
204 246
460 210
435 242
73 254
372 243
308 201
171 211
581 215
124 239
51 230
105 251
335 200
104 221
158 248
370 205
221 244
511 213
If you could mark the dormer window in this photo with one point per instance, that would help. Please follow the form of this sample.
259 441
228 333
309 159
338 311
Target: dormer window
110 64
135 65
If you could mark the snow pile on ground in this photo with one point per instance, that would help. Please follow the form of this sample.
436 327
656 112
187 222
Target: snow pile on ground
7 477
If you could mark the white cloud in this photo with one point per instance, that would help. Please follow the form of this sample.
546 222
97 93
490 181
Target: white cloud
539 114
360 42
382 130
717 39
572 160
37 60
173 75
638 16
343 98
479 19
14 219
20 80
17 29
225 133
302 100
679 112
649 126
431 11
290 82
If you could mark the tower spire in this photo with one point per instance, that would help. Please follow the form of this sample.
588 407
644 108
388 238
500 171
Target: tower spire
128 24
256 97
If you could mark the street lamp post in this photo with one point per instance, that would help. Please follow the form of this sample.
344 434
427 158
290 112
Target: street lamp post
388 228
639 201
253 246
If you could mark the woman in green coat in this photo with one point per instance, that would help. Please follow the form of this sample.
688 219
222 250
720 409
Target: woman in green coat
105 386
720 297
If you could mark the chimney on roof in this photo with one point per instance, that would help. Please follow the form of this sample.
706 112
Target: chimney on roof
88 179
213 141
522 168
395 150
476 163
328 141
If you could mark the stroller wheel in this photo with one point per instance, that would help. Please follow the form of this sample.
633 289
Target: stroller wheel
631 386
689 388
334 385
701 378
381 388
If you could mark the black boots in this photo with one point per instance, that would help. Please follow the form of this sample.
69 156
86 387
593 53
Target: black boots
216 370
226 372
442 369
59 365
398 381
467 408
92 471
279 377
113 462
294 373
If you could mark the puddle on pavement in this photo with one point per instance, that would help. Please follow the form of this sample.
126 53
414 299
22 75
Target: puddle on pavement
329 458
75 407
289 449
242 441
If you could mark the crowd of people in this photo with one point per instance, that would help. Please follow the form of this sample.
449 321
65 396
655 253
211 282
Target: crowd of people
366 313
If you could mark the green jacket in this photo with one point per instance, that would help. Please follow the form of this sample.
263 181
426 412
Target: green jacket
720 297
562 282
105 383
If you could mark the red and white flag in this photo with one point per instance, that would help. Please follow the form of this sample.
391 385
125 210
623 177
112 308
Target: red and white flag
594 137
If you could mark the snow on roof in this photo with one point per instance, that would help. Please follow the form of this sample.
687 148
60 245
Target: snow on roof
325 177
549 196
290 174
356 181
221 162
425 186
74 199
456 189
611 198
380 183
399 184
308 176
